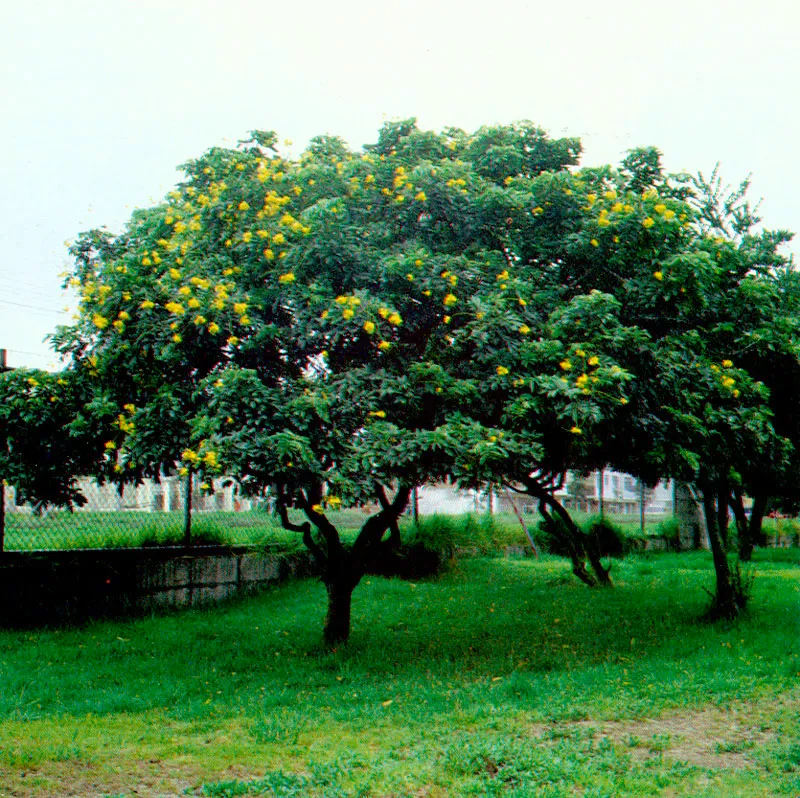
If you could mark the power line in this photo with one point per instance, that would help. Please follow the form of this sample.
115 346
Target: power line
34 307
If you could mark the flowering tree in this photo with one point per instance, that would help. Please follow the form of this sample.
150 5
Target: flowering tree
338 327
290 321
48 437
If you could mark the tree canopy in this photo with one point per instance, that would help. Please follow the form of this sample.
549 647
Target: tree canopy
337 328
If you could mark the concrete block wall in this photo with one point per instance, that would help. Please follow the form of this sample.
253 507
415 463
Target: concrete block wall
67 587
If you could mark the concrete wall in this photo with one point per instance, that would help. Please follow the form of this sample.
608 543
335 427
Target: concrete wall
66 587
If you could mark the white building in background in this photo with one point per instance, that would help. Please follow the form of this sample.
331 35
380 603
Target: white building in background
167 495
621 493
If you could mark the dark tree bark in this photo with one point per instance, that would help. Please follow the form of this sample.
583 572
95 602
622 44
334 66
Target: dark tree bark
745 544
724 600
578 545
723 494
342 568
340 585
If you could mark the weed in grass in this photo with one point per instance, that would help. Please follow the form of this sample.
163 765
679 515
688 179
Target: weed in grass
659 743
282 726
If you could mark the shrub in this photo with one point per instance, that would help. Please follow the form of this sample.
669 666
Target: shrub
607 537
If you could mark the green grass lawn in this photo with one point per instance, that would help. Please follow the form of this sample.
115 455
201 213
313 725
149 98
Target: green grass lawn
61 529
503 677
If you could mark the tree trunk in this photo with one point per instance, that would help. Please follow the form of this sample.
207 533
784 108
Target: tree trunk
723 499
745 543
337 620
579 545
724 603
760 505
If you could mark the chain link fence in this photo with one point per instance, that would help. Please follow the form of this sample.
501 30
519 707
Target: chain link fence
177 511
172 511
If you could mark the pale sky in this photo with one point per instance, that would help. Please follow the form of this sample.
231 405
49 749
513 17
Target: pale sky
100 100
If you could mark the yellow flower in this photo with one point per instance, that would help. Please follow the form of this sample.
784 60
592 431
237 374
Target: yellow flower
728 382
410 277
522 302
669 215
576 430
395 319
726 364
582 380
623 400
610 195
378 413
426 292
233 340
175 274
347 313
566 365
450 299
200 320
616 207
384 345
524 329
736 393
647 222
658 275
239 307
244 320
503 275
593 361
594 242
194 302
177 338
279 238
447 319
146 261
269 254
189 456
420 196
213 328
118 325
183 471
100 321
286 278
660 208
33 382
369 326
110 445
243 206
175 307
502 371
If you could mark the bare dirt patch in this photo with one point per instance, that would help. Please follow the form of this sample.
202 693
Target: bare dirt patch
716 737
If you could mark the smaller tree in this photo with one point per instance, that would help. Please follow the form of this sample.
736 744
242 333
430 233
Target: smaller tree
49 438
